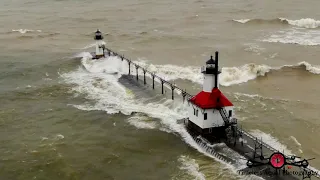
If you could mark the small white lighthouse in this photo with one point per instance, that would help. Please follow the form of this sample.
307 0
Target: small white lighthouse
210 112
100 45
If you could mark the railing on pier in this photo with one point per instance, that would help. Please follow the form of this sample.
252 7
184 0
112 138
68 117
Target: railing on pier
153 75
257 140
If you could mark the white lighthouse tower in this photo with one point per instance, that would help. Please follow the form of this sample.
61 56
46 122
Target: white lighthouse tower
210 112
100 45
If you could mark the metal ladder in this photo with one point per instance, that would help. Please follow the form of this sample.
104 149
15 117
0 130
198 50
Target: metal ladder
224 116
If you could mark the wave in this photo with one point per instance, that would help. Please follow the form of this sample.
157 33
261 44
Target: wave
304 23
295 36
258 21
295 140
192 167
229 75
24 31
142 122
237 75
86 47
30 33
314 69
301 34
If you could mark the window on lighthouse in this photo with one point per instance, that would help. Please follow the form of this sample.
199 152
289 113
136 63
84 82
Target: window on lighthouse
205 116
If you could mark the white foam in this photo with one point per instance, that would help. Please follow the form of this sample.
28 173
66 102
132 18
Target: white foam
228 76
192 167
295 36
305 22
44 138
86 47
83 55
256 96
89 46
172 72
112 65
295 140
142 122
315 69
270 140
59 136
242 20
23 31
247 95
237 75
252 47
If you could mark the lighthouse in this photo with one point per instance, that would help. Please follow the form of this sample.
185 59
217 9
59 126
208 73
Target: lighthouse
100 45
210 112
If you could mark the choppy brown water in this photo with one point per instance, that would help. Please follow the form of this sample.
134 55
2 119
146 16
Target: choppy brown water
47 132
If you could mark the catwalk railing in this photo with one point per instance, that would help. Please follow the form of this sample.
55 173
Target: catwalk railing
152 74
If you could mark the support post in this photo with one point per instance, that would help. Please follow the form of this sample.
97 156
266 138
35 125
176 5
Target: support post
172 88
162 86
216 70
240 134
137 67
144 76
129 62
183 95
152 80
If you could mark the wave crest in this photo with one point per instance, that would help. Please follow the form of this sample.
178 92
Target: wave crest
24 31
229 75
237 75
295 36
314 69
304 22
30 33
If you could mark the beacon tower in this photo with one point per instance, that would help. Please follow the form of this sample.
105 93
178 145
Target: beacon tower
100 45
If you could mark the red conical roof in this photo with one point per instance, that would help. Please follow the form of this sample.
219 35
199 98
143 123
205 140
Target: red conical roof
210 100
